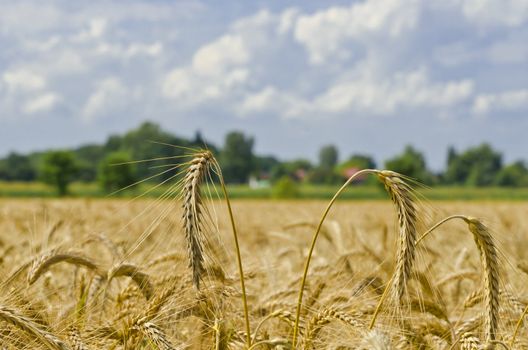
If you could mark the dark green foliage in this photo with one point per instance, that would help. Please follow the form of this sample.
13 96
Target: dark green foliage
328 157
295 169
17 167
237 159
513 175
113 143
411 163
327 176
285 187
59 168
477 166
149 141
88 158
361 161
116 172
265 164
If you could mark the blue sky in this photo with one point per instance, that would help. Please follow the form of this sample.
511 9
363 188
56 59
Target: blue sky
368 76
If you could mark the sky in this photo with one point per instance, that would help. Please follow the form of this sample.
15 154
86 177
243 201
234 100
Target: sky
368 76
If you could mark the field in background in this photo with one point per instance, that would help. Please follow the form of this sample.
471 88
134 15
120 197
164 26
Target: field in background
35 189
353 259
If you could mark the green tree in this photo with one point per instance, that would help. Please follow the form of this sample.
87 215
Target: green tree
285 187
237 159
513 175
322 175
88 158
328 157
411 163
58 169
477 166
149 141
116 171
17 167
265 164
295 169
361 161
113 143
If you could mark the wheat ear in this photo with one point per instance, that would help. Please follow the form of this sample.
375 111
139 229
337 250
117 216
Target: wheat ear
402 197
192 213
199 167
154 335
45 261
140 278
321 319
491 276
75 339
23 323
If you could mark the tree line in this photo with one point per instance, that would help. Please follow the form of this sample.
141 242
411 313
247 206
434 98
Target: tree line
149 152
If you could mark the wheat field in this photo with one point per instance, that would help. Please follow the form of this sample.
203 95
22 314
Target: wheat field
114 274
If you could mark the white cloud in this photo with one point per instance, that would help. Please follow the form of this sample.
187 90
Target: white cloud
191 88
495 12
129 51
109 96
387 95
217 69
269 100
509 51
152 50
23 80
324 33
25 17
365 94
43 45
222 54
96 29
42 103
287 20
260 101
500 102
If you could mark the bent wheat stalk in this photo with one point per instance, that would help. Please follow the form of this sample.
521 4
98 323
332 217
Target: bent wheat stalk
488 256
401 195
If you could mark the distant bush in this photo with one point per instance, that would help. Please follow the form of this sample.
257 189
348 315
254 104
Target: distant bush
59 168
116 172
285 187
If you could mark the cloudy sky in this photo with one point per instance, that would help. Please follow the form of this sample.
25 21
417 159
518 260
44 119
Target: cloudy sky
369 76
